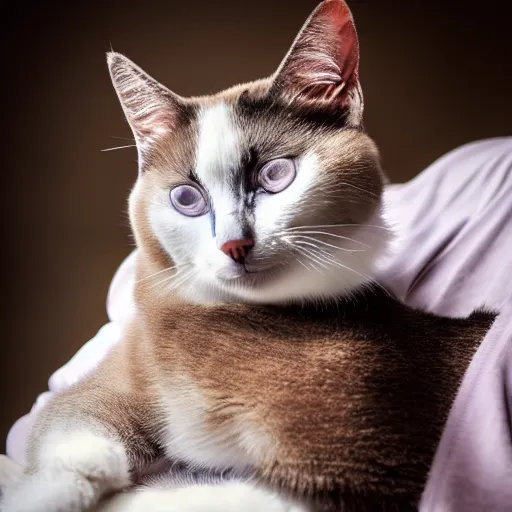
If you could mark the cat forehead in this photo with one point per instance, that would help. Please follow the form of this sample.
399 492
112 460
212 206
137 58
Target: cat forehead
225 136
242 126
220 143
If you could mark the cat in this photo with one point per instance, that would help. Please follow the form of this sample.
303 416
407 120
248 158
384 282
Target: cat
259 344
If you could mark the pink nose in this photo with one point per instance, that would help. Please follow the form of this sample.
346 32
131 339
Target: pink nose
237 250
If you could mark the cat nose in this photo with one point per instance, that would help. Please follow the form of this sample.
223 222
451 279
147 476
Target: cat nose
237 250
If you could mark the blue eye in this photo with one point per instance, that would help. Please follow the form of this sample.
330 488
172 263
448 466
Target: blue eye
188 200
277 175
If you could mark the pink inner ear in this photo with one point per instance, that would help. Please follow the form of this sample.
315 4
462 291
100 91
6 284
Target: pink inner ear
150 108
340 16
322 65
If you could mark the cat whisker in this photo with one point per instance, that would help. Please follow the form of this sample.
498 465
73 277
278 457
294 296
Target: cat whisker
303 264
345 184
130 139
289 244
178 274
303 252
323 226
119 147
168 269
301 239
187 277
304 237
312 256
320 253
299 250
320 256
330 258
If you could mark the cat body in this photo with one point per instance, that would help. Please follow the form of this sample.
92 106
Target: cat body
339 407
258 344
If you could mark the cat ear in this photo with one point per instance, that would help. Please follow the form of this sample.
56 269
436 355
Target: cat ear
151 109
321 68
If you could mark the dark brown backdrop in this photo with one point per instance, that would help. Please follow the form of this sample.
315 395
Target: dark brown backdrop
435 75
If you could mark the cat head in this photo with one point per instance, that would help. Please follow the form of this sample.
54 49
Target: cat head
269 191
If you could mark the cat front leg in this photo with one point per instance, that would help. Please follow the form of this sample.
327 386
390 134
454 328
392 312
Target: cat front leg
87 443
76 470
10 474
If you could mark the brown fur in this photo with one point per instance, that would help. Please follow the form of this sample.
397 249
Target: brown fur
353 396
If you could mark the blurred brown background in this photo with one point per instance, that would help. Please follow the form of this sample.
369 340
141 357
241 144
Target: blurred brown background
435 75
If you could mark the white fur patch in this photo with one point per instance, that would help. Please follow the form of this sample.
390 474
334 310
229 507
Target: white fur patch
237 444
229 497
218 154
187 435
76 471
218 147
10 473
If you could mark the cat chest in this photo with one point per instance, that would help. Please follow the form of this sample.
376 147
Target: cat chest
200 430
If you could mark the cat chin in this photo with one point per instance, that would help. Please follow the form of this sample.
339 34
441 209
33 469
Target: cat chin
300 286
231 273
246 275
296 288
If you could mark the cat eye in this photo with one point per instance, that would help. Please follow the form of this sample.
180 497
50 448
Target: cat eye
277 175
188 200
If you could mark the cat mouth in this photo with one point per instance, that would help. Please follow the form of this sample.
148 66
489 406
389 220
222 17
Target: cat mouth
241 272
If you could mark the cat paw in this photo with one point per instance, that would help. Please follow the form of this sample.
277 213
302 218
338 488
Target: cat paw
51 492
76 472
10 474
